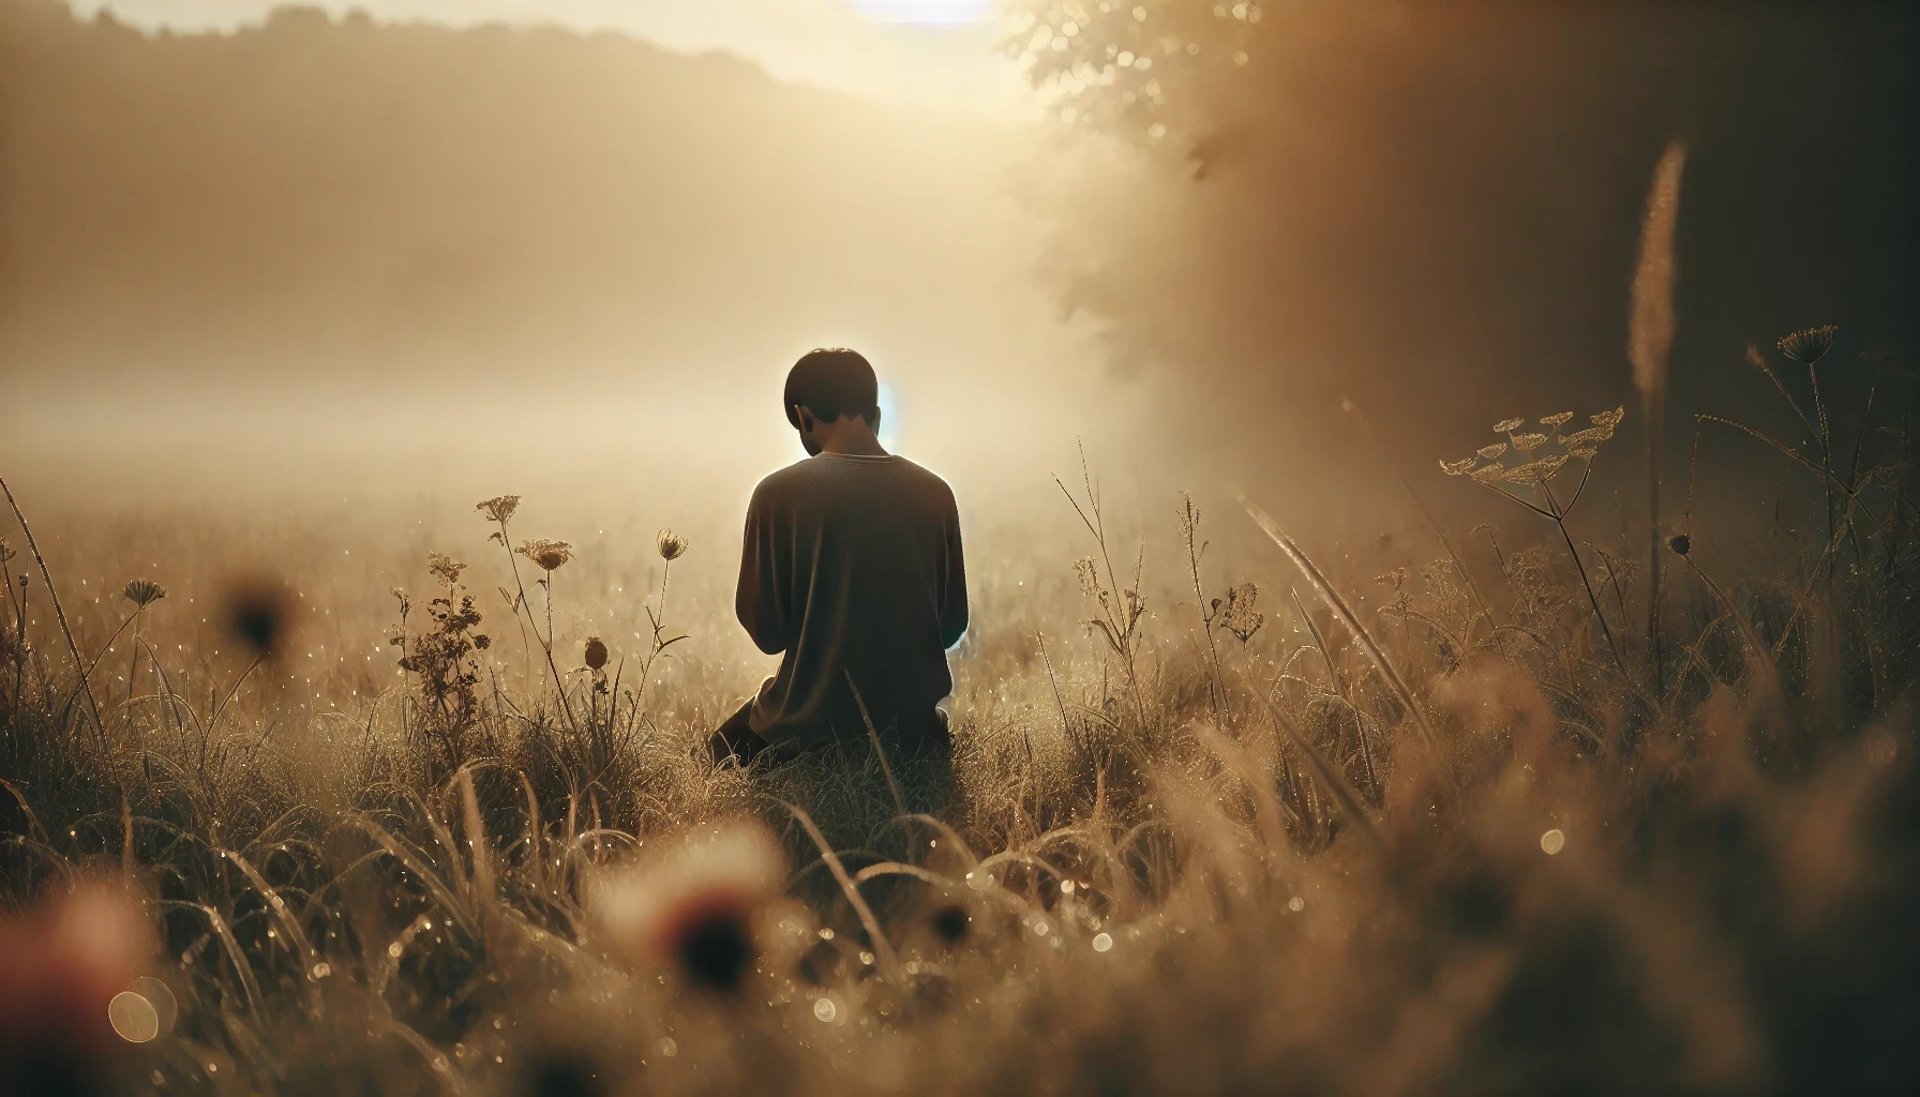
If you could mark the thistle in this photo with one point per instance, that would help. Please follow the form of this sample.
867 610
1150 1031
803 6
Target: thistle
595 654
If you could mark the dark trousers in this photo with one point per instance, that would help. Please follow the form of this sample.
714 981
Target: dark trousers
737 741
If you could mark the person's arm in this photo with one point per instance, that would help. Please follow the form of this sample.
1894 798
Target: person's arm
953 585
759 601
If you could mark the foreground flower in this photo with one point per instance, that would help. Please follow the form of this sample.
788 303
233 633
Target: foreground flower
1808 345
144 592
73 970
548 554
692 906
596 653
672 546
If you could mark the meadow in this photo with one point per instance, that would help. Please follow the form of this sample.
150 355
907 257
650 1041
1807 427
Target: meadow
1219 820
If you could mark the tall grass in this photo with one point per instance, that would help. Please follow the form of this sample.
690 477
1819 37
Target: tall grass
1330 854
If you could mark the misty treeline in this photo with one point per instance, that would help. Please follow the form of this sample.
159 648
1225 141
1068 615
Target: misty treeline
1431 208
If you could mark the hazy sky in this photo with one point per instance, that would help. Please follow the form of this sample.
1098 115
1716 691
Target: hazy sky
933 52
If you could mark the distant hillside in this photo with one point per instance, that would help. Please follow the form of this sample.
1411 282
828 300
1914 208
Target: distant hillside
354 198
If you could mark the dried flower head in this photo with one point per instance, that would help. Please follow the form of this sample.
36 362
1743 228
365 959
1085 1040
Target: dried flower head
595 654
1237 614
1681 544
1527 443
1458 468
6 551
1808 345
499 509
1608 420
1493 451
1591 436
1488 473
548 554
1537 471
1557 419
445 568
144 592
672 546
1506 425
691 905
1089 575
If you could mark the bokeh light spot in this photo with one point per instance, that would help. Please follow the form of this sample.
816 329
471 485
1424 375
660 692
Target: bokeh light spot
133 1018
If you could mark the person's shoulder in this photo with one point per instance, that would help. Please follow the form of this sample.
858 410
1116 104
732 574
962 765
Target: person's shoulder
927 478
774 483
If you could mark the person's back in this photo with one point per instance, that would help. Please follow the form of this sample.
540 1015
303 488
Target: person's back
851 570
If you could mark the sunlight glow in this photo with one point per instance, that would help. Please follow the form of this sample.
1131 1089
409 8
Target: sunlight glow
935 13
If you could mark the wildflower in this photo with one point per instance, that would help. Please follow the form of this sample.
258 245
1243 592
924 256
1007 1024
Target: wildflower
1089 574
144 592
1584 453
1493 451
672 546
1488 473
1808 345
500 508
445 568
1591 436
1557 419
72 966
548 554
1527 443
1237 614
1505 426
1537 471
596 653
692 906
1458 468
257 614
1608 420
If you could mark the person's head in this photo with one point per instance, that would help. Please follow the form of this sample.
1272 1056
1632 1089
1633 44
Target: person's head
830 391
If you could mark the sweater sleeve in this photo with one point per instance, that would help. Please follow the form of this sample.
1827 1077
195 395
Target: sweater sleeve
953 586
759 601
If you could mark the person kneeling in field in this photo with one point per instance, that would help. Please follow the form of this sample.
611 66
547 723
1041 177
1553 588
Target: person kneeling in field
851 571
